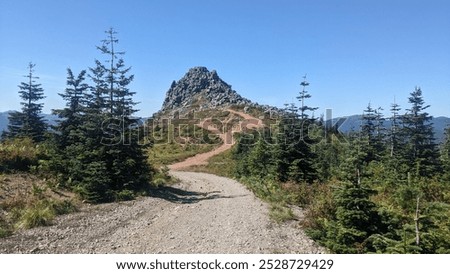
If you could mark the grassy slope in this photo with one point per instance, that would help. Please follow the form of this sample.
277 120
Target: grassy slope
165 154
27 201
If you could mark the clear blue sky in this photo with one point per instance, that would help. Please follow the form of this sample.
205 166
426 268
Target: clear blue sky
354 52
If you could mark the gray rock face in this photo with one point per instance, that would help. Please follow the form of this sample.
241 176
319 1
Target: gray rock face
201 89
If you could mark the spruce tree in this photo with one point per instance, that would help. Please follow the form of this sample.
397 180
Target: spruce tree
304 94
240 153
357 219
421 151
285 152
260 162
372 132
380 131
87 168
68 138
368 129
98 135
111 130
445 154
293 152
29 122
73 114
394 132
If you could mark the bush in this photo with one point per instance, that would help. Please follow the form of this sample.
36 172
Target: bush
61 207
41 212
280 213
321 209
161 177
18 154
125 195
39 215
265 188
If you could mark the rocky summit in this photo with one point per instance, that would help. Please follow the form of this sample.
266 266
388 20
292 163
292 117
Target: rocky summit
201 89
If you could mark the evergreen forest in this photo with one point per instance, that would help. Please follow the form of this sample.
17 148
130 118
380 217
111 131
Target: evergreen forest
382 188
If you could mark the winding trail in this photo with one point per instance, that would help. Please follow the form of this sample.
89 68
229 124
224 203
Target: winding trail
248 122
204 213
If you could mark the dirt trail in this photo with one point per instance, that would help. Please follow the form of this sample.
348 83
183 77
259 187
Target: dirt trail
248 122
203 214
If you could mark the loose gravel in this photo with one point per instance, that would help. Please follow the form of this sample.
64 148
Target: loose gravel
202 214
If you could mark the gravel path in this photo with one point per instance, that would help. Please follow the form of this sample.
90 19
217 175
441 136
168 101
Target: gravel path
203 214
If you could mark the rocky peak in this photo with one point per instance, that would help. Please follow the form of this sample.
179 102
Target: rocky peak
200 89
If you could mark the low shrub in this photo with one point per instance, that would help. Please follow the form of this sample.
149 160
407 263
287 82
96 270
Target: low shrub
38 215
18 154
280 213
125 195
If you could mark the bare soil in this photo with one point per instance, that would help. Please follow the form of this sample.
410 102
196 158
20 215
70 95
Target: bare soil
247 122
203 214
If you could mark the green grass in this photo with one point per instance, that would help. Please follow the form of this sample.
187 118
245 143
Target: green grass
38 215
166 154
42 213
280 213
32 211
221 165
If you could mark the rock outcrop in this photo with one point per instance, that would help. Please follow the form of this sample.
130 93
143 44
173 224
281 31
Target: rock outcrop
201 89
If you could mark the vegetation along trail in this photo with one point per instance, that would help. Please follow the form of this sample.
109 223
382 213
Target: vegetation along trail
202 214
226 136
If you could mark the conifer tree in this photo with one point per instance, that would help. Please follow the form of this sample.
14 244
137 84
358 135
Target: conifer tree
73 114
304 94
68 138
112 129
445 154
372 132
421 151
99 135
240 153
368 129
29 122
294 156
259 159
394 132
356 219
285 152
380 131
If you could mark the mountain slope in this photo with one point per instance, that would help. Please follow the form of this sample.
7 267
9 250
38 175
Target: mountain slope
4 120
226 135
49 118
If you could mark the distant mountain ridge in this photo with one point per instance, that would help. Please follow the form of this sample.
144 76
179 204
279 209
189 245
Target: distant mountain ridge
4 121
353 123
349 123
201 89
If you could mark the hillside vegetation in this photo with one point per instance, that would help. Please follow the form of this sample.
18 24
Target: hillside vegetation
381 189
